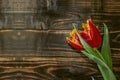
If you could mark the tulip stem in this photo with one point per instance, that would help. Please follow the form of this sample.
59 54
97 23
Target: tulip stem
99 54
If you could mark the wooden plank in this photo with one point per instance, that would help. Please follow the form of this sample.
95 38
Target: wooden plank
39 51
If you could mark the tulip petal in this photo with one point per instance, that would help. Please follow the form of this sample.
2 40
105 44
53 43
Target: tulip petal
95 35
74 44
87 38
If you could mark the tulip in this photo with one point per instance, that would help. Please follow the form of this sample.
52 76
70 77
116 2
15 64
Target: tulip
90 34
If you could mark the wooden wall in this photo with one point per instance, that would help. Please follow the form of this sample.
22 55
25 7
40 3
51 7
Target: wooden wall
40 51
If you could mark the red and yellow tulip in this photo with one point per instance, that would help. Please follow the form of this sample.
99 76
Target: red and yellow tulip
90 34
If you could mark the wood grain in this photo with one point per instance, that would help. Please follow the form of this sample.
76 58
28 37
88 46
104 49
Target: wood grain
33 45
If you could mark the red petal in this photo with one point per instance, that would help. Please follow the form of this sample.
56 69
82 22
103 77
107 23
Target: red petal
95 35
75 45
87 38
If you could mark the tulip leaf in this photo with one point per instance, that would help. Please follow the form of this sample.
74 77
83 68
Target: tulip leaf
103 67
105 50
93 78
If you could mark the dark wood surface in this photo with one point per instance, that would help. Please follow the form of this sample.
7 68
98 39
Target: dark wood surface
33 40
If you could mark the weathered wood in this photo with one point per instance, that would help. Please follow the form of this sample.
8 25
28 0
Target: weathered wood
33 45
48 49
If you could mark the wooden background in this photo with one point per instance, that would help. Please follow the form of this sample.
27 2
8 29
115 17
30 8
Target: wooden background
33 38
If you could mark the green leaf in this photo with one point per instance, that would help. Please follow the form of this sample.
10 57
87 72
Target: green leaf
93 78
104 69
105 50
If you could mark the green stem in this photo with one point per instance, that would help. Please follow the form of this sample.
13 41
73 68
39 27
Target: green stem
99 55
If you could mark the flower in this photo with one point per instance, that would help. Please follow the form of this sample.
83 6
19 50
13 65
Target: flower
90 34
